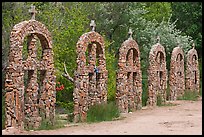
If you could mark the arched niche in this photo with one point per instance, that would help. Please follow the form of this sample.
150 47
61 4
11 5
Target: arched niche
132 57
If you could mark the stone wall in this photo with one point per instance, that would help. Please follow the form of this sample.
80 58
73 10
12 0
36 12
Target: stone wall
39 100
129 77
157 75
176 75
91 74
192 71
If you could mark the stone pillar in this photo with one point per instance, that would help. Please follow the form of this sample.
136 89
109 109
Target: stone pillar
157 75
176 75
192 71
14 84
90 78
129 77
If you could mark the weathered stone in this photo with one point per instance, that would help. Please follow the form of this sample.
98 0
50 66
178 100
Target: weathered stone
129 77
17 69
157 75
192 71
91 74
176 75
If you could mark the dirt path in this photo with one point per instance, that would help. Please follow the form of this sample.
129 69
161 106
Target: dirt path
183 119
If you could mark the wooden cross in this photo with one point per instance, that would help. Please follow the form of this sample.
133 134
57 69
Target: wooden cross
93 25
33 12
130 33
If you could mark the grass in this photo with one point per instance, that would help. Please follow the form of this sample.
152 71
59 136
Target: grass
160 103
48 125
189 95
159 100
3 112
103 112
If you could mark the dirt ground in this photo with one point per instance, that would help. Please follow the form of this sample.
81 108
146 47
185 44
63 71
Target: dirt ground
184 118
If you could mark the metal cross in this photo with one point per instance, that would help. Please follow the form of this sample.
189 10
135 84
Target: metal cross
93 25
130 33
158 39
33 12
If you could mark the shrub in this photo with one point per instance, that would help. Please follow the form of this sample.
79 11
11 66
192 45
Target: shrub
159 100
47 125
102 112
64 107
189 95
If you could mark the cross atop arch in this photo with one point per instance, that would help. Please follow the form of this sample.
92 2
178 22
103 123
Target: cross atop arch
178 44
33 12
130 33
158 39
93 25
193 45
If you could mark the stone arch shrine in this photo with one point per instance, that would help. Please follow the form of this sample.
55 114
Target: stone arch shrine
26 105
91 74
129 77
157 75
176 75
192 70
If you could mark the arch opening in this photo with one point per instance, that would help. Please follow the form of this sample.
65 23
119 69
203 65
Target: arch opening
160 58
131 57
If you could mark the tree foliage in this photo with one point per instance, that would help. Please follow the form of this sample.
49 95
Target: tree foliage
67 21
158 11
188 16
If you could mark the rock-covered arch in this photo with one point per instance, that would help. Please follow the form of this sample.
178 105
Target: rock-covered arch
90 77
129 77
192 71
26 111
176 75
157 75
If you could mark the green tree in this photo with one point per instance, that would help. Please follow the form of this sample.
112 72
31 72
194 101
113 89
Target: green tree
12 13
188 16
158 11
66 22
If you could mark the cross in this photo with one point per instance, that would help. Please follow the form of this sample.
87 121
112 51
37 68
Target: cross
193 45
130 33
178 44
93 25
158 39
33 12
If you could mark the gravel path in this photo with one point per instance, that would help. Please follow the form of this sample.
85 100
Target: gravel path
185 118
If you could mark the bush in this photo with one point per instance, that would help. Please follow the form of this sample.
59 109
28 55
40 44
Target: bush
66 107
159 100
189 95
47 125
102 112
